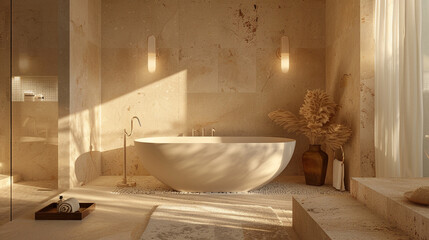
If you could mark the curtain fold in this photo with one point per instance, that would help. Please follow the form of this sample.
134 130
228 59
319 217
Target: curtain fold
398 89
425 52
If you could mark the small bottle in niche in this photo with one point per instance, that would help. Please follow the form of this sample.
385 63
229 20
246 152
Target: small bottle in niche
39 97
29 96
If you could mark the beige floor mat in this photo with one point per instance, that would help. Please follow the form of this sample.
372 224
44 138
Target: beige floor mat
214 222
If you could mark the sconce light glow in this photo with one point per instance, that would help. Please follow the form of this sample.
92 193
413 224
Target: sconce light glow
151 54
285 54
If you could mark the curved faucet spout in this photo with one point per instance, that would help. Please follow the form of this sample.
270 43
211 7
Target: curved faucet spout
132 126
125 182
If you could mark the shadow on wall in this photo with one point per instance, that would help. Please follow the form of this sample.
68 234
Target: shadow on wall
88 167
340 89
84 146
112 162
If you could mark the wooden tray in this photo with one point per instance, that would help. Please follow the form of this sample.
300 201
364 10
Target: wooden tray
50 212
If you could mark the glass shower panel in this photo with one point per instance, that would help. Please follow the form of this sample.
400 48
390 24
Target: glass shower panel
35 31
5 178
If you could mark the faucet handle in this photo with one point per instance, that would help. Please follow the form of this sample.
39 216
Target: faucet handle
213 131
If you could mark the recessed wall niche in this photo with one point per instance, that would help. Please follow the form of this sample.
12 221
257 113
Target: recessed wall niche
44 85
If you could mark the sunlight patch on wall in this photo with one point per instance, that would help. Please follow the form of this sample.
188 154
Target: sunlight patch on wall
160 106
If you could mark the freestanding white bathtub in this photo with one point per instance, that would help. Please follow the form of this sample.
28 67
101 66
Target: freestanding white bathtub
215 164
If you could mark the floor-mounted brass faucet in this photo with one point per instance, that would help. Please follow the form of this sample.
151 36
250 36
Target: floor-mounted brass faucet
125 182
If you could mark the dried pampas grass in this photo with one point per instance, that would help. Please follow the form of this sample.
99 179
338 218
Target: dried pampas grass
315 120
288 121
318 108
337 135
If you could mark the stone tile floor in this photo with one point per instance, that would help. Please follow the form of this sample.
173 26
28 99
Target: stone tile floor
125 216
26 195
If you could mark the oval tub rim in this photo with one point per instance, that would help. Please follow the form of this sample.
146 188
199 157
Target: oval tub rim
232 140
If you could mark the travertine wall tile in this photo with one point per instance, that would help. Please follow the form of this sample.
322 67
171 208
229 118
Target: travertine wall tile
237 70
198 24
128 24
5 103
202 68
5 112
85 95
159 105
35 42
217 66
4 26
350 79
367 74
240 19
125 70
343 57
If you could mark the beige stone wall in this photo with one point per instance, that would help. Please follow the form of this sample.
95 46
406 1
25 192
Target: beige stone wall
350 51
367 77
64 94
84 115
217 68
4 106
4 88
35 38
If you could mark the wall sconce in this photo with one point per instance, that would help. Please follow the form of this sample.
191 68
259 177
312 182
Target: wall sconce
151 54
284 54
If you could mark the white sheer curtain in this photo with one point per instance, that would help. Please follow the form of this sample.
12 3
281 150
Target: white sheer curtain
425 50
398 89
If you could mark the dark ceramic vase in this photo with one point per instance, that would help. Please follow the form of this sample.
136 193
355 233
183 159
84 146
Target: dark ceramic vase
315 163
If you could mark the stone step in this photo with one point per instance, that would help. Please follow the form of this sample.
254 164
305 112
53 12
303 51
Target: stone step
385 196
339 217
